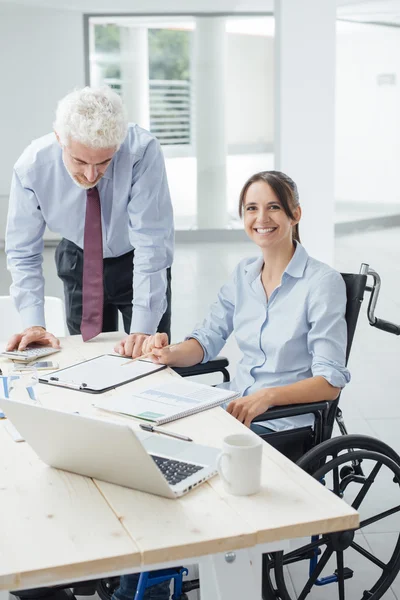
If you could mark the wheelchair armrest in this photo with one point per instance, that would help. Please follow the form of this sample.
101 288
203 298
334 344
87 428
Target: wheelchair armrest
218 365
292 410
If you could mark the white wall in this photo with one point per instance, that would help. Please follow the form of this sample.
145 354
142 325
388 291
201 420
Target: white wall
41 59
367 114
249 93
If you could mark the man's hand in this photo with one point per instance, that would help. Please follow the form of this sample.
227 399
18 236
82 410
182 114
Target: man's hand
32 335
247 408
131 345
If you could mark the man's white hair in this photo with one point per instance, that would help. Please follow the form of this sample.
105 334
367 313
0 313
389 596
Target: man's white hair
93 117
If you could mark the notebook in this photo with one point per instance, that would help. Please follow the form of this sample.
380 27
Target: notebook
168 402
100 374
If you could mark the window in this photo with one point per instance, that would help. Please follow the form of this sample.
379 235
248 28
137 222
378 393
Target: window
204 87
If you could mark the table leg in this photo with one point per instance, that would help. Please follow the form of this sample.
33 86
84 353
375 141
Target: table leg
231 575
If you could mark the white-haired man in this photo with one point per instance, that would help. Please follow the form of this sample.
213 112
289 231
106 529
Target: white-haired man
101 184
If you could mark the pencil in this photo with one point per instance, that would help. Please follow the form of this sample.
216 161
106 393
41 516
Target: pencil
128 362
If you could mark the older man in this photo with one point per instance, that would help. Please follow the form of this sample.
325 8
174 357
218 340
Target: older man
101 184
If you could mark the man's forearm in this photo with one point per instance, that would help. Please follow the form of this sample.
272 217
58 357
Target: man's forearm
24 247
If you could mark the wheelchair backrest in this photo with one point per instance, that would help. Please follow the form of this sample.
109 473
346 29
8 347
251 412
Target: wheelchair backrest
355 288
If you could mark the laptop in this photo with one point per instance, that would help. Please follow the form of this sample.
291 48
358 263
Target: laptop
112 451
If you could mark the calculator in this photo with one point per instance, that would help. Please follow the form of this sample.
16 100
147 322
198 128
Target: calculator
31 353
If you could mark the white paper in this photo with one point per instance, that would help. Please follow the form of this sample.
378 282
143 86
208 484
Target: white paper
102 372
167 400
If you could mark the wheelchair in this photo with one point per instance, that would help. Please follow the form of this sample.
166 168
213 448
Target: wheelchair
348 465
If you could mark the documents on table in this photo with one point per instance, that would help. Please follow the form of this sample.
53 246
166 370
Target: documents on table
168 402
100 374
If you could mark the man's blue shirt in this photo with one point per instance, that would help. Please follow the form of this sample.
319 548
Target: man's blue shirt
136 213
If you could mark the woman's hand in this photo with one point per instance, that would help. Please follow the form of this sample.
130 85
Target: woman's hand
182 354
155 342
161 352
247 408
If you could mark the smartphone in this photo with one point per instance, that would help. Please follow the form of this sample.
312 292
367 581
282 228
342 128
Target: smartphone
40 365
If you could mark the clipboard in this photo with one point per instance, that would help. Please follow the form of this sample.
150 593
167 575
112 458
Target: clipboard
100 374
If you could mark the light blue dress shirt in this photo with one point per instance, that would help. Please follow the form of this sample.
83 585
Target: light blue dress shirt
136 212
300 332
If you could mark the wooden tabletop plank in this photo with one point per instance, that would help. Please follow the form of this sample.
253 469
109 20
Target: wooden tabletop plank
52 521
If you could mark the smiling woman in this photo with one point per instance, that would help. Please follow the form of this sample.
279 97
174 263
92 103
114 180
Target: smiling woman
286 309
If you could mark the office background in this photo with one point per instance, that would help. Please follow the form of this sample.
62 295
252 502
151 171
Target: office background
310 87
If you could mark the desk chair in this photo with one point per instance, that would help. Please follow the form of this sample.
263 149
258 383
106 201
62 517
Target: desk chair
11 323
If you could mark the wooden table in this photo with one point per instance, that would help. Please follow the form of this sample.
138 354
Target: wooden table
60 527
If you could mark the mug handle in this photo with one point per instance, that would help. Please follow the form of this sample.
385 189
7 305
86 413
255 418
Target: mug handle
219 467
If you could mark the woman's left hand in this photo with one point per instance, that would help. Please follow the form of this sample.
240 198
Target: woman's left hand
247 408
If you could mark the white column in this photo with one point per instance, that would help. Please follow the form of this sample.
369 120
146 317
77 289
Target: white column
210 136
95 70
135 74
305 42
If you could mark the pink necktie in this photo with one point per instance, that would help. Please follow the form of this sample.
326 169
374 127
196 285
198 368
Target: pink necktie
93 291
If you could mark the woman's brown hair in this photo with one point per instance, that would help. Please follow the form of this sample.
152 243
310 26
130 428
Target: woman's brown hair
285 190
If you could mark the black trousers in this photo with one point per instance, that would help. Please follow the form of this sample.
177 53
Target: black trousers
117 279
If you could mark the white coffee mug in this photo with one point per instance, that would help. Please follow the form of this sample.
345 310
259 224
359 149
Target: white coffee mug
239 464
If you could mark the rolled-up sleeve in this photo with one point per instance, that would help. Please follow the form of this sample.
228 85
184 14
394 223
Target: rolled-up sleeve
218 325
24 247
327 337
151 233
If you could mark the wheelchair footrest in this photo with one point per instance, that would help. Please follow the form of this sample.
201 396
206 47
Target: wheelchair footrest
347 573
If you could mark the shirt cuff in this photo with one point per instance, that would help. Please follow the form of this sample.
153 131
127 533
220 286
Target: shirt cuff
32 316
334 374
195 336
144 321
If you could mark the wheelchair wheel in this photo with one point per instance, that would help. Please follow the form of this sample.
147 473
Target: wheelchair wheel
106 587
365 472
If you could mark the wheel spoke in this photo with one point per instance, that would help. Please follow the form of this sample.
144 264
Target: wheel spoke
368 482
379 517
336 482
315 574
303 550
369 556
340 573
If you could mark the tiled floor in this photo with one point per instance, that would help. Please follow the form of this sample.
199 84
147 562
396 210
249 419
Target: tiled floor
371 403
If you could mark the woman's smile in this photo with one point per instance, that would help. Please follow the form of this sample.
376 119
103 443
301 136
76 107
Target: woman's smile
265 230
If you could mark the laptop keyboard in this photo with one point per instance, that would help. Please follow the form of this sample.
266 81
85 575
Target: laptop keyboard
175 470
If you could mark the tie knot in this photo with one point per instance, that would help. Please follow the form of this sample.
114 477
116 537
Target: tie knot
93 193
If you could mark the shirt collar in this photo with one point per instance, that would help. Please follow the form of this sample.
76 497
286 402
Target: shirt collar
253 269
298 263
295 267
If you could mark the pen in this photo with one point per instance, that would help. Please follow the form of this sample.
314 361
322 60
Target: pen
128 362
148 427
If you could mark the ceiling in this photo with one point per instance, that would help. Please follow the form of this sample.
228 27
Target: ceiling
375 11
